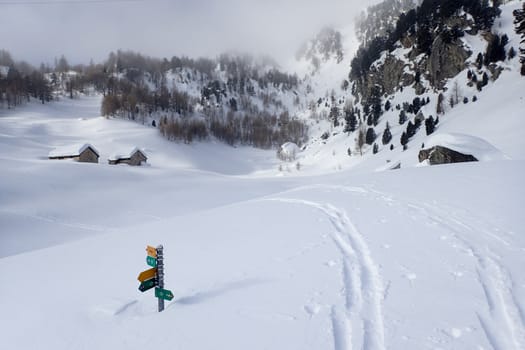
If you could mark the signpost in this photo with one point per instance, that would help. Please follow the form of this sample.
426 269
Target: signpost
160 274
154 277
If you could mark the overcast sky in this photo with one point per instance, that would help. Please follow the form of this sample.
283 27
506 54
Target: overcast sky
90 29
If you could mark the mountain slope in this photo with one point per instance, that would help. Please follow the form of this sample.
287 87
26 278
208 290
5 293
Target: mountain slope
494 116
340 261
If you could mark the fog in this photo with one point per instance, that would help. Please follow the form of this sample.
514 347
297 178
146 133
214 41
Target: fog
89 29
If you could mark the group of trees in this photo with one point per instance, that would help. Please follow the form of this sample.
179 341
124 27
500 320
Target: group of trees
380 19
262 130
327 44
519 22
144 88
496 49
423 23
20 81
232 89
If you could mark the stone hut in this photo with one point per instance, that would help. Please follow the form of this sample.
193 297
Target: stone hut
443 155
85 153
136 157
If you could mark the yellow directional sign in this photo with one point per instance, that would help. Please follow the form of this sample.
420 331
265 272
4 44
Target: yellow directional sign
146 275
152 251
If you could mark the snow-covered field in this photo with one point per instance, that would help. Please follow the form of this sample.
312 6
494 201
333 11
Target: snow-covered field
417 258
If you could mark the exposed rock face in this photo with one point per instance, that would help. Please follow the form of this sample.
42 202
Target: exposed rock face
445 61
495 70
389 75
392 73
407 41
419 89
442 155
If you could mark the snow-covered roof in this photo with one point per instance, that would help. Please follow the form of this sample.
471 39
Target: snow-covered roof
466 144
71 150
127 155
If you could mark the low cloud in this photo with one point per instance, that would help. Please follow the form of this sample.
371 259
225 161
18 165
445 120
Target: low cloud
84 31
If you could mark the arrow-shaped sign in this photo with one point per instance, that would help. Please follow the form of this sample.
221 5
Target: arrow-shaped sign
152 251
151 261
163 294
146 275
147 285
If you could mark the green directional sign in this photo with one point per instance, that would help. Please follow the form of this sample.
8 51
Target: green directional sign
147 285
151 261
163 294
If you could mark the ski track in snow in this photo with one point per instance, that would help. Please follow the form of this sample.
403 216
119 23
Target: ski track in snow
53 220
503 322
496 283
494 279
363 286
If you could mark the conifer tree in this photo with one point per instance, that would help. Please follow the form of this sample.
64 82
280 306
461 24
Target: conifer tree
370 136
402 117
351 120
439 108
429 125
387 135
404 139
519 22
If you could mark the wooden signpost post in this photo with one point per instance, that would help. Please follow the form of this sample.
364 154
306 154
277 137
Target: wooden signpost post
154 277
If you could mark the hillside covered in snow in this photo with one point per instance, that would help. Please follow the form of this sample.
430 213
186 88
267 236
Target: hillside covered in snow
342 240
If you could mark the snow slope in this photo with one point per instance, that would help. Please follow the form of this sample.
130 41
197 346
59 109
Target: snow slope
337 253
495 119
419 258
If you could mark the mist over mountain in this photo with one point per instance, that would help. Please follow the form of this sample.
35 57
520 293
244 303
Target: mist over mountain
83 30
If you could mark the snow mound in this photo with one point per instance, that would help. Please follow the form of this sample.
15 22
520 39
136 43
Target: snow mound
467 144
289 150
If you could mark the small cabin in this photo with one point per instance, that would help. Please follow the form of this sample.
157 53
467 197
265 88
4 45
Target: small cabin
136 157
84 153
